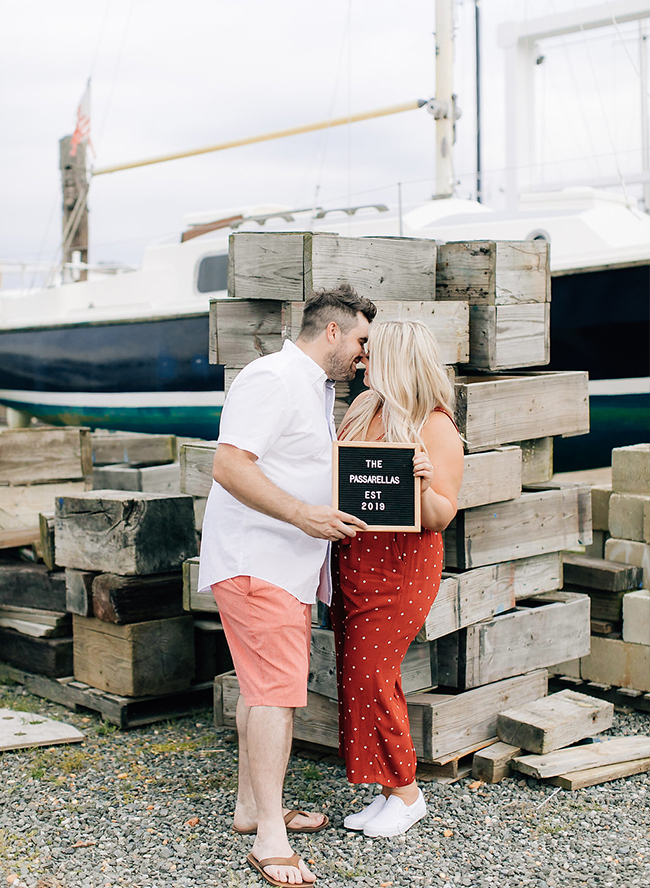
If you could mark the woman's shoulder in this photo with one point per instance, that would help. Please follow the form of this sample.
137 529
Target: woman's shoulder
361 398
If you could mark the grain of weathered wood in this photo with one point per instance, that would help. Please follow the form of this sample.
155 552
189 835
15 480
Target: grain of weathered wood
148 479
22 730
490 477
593 776
552 628
600 496
45 656
121 600
125 533
592 755
137 659
31 585
192 600
494 272
630 552
503 337
537 460
79 591
536 575
196 468
537 522
636 617
244 329
617 663
46 541
597 573
629 517
44 455
21 506
494 410
631 469
542 726
35 622
132 447
606 606
491 765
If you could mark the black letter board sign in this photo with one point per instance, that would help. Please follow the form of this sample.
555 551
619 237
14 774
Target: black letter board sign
375 482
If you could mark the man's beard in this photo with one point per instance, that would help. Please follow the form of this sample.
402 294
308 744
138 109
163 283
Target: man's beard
340 369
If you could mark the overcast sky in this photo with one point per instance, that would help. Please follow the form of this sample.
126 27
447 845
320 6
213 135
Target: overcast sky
170 75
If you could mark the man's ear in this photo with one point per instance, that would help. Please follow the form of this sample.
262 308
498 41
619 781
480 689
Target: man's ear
332 331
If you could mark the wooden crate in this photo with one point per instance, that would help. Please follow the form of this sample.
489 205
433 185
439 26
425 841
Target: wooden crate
124 532
494 410
138 659
503 337
288 265
44 455
541 631
494 272
538 521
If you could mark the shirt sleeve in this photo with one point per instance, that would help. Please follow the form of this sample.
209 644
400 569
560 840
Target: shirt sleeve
256 411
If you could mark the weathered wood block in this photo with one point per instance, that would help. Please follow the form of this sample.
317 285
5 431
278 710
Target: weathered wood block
44 455
597 547
536 575
605 606
494 272
46 541
555 628
193 602
597 573
31 585
630 552
164 479
503 337
600 496
125 533
43 656
537 460
538 521
211 653
574 780
79 591
156 657
490 477
468 597
196 468
636 617
132 447
21 507
629 517
544 725
617 663
419 668
631 469
495 410
492 764
121 600
288 265
593 755
34 621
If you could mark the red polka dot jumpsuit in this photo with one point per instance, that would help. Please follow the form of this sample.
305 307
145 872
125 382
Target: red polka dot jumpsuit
385 584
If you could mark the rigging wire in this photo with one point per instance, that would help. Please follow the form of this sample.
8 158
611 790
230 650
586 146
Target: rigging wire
115 73
623 42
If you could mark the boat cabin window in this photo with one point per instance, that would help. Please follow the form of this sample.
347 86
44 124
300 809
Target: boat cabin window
213 274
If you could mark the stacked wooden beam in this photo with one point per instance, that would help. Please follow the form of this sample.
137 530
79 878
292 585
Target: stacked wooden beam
499 619
36 465
618 584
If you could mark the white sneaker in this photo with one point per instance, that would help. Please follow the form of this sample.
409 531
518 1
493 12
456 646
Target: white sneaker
359 820
395 817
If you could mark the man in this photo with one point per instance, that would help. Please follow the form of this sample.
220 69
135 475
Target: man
265 552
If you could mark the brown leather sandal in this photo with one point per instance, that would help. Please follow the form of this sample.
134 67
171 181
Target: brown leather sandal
288 817
259 865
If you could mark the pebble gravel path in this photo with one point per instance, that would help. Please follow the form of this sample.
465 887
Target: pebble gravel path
151 808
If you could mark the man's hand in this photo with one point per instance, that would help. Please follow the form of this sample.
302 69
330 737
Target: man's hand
326 523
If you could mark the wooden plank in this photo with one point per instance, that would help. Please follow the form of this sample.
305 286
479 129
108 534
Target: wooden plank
636 617
149 479
590 755
121 532
44 455
597 573
592 776
48 656
20 509
600 496
35 622
606 606
495 410
625 698
23 730
196 468
244 329
631 469
617 663
629 517
503 337
544 725
79 591
31 585
555 627
490 477
535 575
537 460
466 598
492 764
494 272
537 522
630 552
122 600
192 600
46 541
138 659
132 447
419 668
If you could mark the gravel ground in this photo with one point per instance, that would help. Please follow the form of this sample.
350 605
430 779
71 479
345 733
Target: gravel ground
151 808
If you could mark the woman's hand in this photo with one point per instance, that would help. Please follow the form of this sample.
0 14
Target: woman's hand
423 469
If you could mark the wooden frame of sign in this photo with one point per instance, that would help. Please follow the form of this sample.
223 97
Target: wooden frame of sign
375 482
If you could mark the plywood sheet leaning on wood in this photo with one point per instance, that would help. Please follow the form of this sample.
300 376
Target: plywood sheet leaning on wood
493 410
494 272
288 265
44 455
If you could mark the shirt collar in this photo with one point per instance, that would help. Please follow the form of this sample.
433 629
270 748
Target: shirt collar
314 371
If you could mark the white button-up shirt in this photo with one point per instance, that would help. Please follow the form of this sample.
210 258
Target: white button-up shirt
279 408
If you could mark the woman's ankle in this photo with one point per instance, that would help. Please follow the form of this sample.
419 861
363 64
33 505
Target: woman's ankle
407 794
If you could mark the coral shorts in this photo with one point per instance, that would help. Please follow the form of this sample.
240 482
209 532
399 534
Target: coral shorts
269 636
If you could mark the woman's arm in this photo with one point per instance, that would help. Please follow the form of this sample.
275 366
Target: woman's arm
441 470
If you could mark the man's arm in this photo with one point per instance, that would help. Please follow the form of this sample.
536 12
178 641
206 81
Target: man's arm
237 472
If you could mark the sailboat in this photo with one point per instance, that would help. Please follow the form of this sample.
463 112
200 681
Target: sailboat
128 349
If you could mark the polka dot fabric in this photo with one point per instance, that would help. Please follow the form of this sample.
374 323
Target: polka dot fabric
385 584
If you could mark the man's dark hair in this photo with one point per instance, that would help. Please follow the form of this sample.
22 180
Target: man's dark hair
340 304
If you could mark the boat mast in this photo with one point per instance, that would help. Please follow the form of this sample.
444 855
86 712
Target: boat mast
644 33
443 106
74 183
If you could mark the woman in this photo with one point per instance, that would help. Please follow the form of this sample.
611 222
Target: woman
386 582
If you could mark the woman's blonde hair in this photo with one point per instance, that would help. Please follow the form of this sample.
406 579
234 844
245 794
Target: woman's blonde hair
407 380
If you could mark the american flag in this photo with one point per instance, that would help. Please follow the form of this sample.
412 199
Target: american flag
82 130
